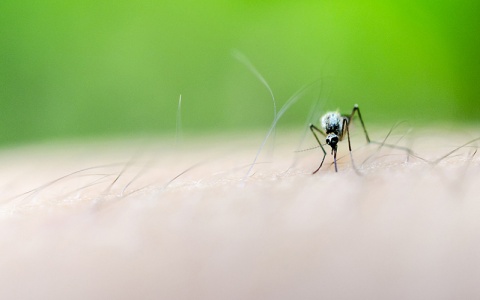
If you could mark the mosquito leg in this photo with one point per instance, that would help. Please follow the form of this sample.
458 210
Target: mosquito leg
345 126
346 123
357 110
313 128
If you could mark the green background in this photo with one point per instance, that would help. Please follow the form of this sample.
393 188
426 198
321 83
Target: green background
104 68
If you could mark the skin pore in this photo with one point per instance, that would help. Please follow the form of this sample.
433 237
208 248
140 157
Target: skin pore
151 220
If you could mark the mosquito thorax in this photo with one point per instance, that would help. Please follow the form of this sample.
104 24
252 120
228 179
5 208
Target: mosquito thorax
332 123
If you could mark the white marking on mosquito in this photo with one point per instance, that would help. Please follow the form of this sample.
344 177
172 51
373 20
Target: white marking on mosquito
332 122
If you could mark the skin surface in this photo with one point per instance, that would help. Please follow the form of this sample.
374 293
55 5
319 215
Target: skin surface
181 222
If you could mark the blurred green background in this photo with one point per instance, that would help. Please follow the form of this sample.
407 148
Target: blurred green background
105 68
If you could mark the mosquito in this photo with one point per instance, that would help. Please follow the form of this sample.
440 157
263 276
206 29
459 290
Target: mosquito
334 125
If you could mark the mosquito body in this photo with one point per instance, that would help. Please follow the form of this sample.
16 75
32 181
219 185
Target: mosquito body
333 127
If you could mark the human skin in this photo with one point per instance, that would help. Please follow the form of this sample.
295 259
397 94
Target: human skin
155 220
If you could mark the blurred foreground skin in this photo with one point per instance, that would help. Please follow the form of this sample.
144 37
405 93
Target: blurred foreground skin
179 223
